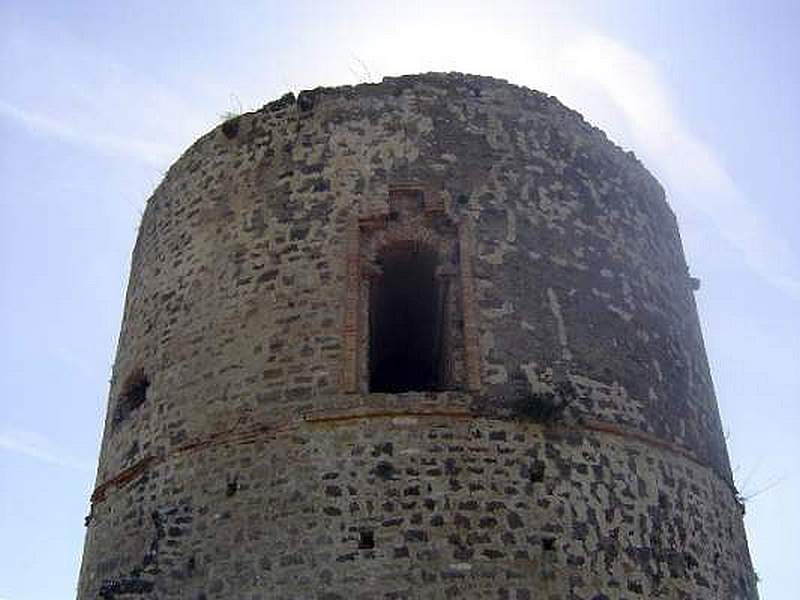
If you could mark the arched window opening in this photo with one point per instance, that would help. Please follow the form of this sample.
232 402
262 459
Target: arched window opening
406 316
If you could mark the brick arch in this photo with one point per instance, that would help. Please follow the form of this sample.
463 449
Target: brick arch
428 224
421 238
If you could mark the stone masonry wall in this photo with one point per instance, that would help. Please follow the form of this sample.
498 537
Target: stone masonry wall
587 462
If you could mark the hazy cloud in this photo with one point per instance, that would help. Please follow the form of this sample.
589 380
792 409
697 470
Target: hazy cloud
37 446
152 153
61 87
694 177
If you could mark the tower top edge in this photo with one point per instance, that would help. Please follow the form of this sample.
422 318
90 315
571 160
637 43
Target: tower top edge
292 106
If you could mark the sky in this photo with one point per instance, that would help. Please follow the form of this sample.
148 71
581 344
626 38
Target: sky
97 99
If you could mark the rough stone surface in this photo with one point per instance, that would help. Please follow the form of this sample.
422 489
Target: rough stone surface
575 449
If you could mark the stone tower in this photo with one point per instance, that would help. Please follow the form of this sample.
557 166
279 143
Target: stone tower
428 338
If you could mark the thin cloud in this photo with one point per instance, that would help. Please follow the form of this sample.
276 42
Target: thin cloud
37 446
90 99
695 178
152 153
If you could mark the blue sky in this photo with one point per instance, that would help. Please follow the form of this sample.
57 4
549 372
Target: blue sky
97 99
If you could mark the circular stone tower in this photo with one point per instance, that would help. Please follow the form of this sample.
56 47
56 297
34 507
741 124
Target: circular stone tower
429 338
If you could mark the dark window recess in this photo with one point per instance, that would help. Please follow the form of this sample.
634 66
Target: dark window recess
133 395
406 315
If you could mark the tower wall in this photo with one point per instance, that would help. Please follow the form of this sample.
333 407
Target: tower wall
575 449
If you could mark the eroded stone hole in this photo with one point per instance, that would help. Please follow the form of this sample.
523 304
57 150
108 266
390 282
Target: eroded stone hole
536 472
134 394
366 540
406 316
136 391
